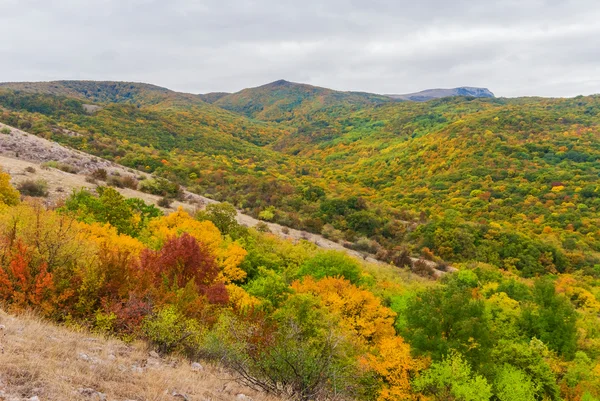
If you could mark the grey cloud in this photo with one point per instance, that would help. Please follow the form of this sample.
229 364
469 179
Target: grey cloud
525 47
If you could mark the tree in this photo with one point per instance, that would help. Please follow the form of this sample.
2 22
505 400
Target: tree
8 195
223 215
452 316
395 368
529 358
331 264
301 352
551 318
360 311
512 384
452 380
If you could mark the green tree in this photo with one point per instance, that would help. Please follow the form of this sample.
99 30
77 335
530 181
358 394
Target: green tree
452 379
442 318
223 215
331 264
551 318
529 359
512 384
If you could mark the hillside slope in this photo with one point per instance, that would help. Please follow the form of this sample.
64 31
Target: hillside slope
509 182
53 363
25 157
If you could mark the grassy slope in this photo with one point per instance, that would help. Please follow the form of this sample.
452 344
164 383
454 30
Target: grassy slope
56 363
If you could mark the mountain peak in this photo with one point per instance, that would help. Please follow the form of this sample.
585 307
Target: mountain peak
437 93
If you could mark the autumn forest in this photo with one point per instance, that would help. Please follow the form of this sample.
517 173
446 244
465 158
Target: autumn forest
481 212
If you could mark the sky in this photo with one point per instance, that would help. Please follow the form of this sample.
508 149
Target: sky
514 48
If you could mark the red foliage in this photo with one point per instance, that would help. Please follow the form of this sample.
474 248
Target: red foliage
217 294
129 313
22 282
179 261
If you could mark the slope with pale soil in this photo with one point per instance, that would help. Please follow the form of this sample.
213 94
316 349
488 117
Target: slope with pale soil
38 359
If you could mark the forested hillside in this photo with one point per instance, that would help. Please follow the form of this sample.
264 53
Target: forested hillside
506 190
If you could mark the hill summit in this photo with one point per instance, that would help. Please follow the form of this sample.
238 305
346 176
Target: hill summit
430 94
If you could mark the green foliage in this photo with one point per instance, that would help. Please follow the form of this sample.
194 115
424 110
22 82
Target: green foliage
513 385
169 330
270 287
529 358
331 264
105 322
128 216
453 379
223 215
304 356
551 318
161 187
452 317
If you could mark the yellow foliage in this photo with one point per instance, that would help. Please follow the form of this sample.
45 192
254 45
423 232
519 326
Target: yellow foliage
229 257
558 188
395 368
360 311
229 260
107 237
180 222
8 195
240 299
581 297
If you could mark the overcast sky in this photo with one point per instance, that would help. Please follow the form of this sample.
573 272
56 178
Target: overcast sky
514 48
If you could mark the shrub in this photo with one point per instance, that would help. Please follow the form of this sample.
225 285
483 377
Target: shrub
38 188
303 356
423 268
5 130
262 227
67 168
169 330
268 214
164 202
99 174
162 187
223 215
30 169
114 182
129 182
331 233
366 245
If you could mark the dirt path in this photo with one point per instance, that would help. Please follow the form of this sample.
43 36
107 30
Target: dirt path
22 155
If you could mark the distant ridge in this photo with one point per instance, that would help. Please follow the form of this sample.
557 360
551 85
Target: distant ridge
430 94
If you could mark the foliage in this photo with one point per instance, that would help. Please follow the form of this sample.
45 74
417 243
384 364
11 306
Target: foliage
8 195
506 190
331 264
453 379
169 330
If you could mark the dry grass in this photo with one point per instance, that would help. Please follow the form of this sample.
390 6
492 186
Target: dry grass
43 360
